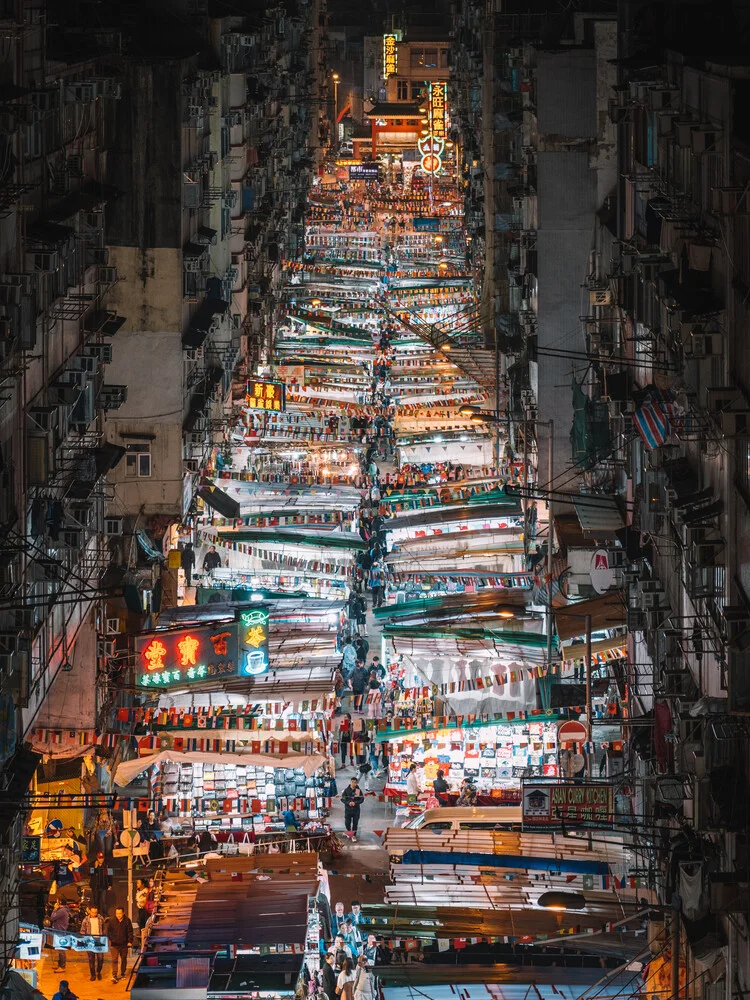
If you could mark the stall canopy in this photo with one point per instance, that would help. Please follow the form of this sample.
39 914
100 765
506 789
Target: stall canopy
130 769
450 605
218 500
607 611
600 516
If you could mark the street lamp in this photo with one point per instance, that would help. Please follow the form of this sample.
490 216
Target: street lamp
335 77
562 901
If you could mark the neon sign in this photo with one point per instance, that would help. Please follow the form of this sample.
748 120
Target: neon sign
263 395
184 656
253 642
432 146
390 56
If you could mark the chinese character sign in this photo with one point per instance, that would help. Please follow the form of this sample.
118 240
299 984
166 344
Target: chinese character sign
438 96
262 395
184 656
390 56
253 642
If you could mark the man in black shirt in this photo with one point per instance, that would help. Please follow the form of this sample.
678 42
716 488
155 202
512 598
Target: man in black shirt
328 976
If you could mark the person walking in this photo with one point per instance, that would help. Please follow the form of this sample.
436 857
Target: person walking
96 925
60 921
352 798
358 681
120 934
328 976
364 981
211 560
344 984
345 739
187 561
99 882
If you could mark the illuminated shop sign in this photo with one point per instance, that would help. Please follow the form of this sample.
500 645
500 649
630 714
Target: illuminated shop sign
185 656
263 395
432 146
390 56
364 172
552 805
253 642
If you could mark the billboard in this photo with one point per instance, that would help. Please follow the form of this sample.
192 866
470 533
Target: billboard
552 804
364 172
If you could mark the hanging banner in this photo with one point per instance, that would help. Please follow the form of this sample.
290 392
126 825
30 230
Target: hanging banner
552 805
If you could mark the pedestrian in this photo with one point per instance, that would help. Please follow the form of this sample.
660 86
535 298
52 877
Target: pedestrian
328 976
187 561
412 781
120 934
337 918
99 882
358 681
340 950
352 937
95 925
142 900
440 788
373 696
362 646
352 798
345 982
103 832
467 795
60 921
364 981
378 667
64 992
211 560
345 739
355 914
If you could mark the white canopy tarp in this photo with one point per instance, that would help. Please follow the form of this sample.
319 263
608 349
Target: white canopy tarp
515 696
130 769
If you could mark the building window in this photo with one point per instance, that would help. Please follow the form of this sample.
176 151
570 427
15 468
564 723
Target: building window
444 57
423 57
402 91
417 91
138 460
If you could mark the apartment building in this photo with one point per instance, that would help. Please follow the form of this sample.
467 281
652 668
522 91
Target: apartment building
58 109
398 70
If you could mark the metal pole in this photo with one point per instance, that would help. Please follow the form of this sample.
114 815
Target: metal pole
589 711
676 953
550 533
497 403
130 876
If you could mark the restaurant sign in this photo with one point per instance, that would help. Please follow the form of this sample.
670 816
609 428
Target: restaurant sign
189 655
390 56
263 395
551 804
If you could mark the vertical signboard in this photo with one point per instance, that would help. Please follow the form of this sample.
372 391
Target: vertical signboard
253 641
390 56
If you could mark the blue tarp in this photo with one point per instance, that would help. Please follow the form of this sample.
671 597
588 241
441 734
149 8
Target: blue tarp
506 861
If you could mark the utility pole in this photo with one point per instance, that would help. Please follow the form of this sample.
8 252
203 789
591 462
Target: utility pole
550 533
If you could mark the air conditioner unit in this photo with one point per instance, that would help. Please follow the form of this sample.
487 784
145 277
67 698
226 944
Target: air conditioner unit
86 363
651 587
112 397
664 122
72 538
653 600
683 133
43 418
102 352
664 97
107 275
193 264
704 139
43 261
736 423
196 438
113 526
600 297
705 345
729 201
636 620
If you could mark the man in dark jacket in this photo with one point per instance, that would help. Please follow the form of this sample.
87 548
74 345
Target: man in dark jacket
187 561
211 560
358 679
440 788
99 882
352 798
120 934
328 977
60 921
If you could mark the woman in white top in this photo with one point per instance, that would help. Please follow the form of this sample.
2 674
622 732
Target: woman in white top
345 976
412 781
364 981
